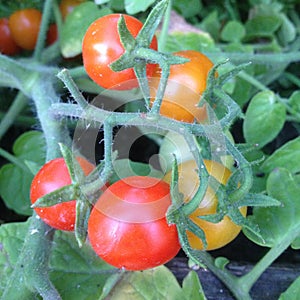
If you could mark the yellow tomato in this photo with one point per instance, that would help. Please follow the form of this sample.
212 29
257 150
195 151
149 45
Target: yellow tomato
186 83
219 234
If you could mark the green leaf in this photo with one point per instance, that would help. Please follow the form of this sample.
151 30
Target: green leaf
233 31
287 156
187 8
125 167
294 101
201 41
75 26
77 273
192 288
135 6
15 181
278 222
293 292
264 118
11 241
157 283
287 32
221 262
296 243
262 25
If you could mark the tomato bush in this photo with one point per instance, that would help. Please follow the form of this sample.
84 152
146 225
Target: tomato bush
52 176
7 43
127 226
185 85
101 46
25 26
217 234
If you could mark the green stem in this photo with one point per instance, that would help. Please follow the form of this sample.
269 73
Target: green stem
248 280
292 78
14 160
165 28
18 105
31 267
269 59
260 86
43 30
65 76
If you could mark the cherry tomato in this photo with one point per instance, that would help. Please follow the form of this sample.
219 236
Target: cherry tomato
25 26
175 144
185 85
101 46
52 176
7 43
219 234
52 34
128 228
67 6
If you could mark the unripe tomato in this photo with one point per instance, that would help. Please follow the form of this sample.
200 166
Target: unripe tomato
7 44
101 46
175 144
25 26
52 176
185 85
67 6
219 234
128 228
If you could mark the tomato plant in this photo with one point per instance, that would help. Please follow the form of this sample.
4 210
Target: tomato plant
217 234
185 85
127 226
7 43
52 176
25 25
101 46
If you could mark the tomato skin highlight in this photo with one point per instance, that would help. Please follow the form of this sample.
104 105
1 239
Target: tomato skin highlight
52 176
219 234
185 85
125 242
101 46
25 26
7 44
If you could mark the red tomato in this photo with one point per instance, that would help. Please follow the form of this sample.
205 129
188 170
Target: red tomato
67 6
7 44
101 46
52 34
185 85
52 176
128 228
25 26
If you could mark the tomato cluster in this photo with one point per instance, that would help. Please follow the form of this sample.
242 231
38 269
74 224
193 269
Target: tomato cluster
20 30
127 226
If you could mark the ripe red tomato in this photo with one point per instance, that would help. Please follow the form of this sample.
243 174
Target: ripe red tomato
25 26
185 85
52 176
52 34
67 6
7 43
219 234
101 46
128 228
